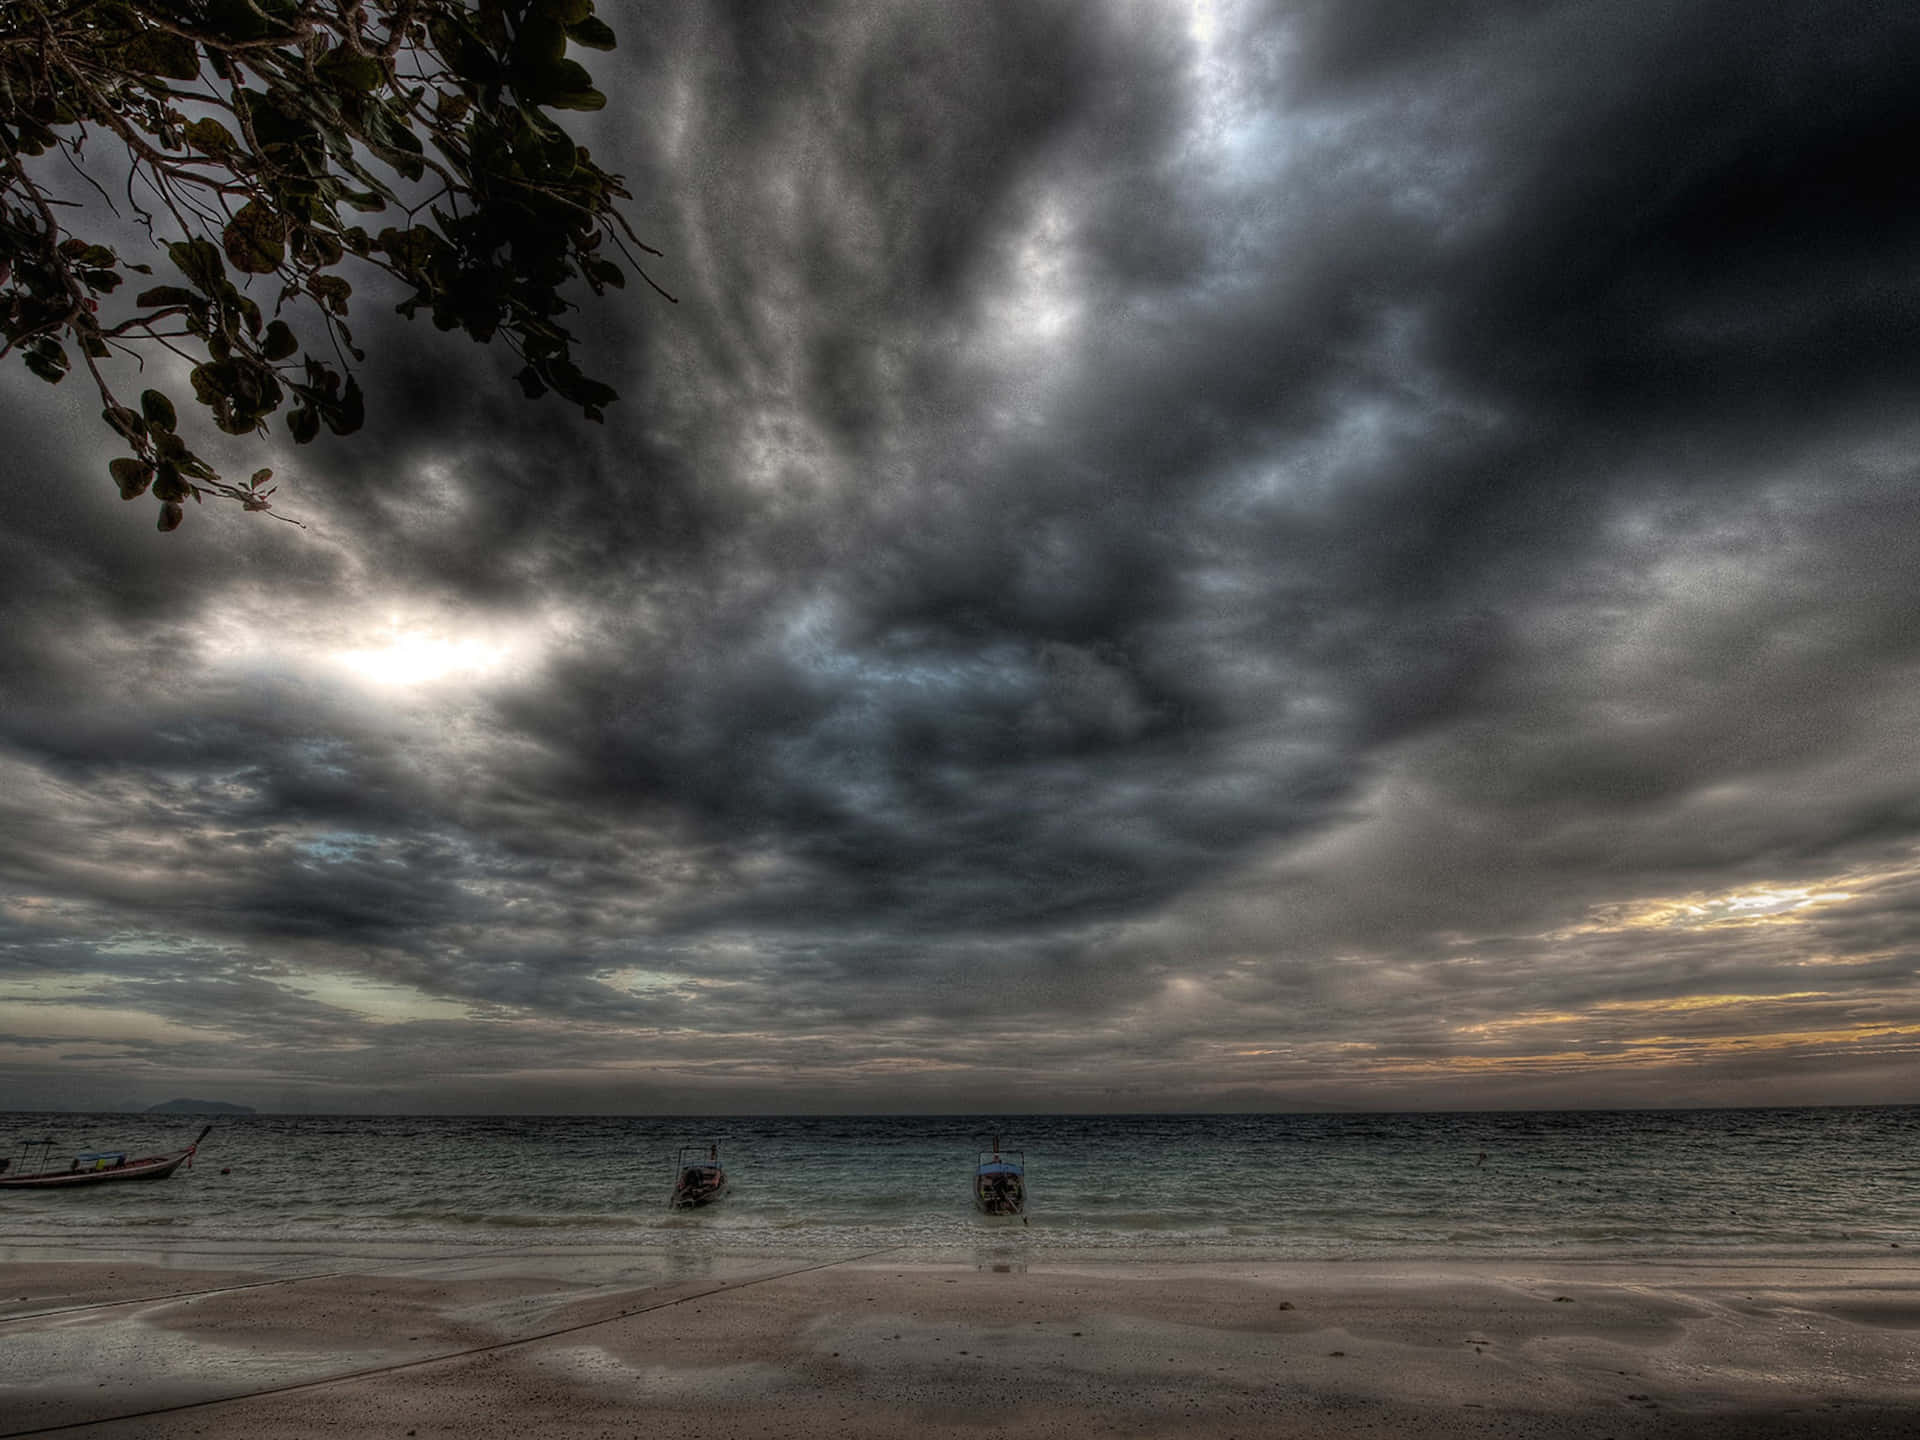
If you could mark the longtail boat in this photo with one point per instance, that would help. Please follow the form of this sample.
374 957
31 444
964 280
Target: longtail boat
96 1167
1000 1182
698 1182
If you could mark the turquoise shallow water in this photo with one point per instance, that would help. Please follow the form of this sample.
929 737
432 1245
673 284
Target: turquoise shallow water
1157 1186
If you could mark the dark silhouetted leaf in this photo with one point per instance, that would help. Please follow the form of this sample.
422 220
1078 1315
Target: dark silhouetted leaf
159 53
255 239
132 476
350 413
127 422
350 71
199 261
593 32
332 291
210 137
168 484
160 296
577 100
49 361
158 410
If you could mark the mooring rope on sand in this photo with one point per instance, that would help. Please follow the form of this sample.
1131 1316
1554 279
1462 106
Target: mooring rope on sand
177 1295
349 1375
165 1295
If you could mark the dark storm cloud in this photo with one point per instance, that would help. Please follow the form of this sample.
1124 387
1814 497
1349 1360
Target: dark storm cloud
1260 555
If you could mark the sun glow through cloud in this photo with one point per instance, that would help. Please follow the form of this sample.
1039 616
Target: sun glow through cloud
420 656
399 646
377 1002
1749 905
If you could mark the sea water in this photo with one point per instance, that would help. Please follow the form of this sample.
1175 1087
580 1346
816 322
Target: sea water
1614 1183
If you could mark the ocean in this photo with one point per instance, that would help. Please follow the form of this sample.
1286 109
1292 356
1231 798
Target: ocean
1166 1187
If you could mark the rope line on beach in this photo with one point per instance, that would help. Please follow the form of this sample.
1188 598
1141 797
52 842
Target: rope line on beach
172 1295
424 1360
249 1285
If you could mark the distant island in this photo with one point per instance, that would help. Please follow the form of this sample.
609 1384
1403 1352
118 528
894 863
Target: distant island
198 1107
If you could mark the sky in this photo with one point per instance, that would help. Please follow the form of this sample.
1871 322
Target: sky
1194 556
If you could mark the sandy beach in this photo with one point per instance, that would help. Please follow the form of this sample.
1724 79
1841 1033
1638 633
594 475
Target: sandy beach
299 1343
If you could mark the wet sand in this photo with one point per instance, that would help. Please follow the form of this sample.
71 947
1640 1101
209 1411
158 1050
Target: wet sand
589 1344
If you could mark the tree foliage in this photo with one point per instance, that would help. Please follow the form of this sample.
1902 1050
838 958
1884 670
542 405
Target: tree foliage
253 136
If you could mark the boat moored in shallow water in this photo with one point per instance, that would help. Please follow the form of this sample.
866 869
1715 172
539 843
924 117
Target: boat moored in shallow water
97 1167
697 1182
1000 1182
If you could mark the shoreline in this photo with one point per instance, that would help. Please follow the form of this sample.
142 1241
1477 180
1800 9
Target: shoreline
558 1341
1033 1246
